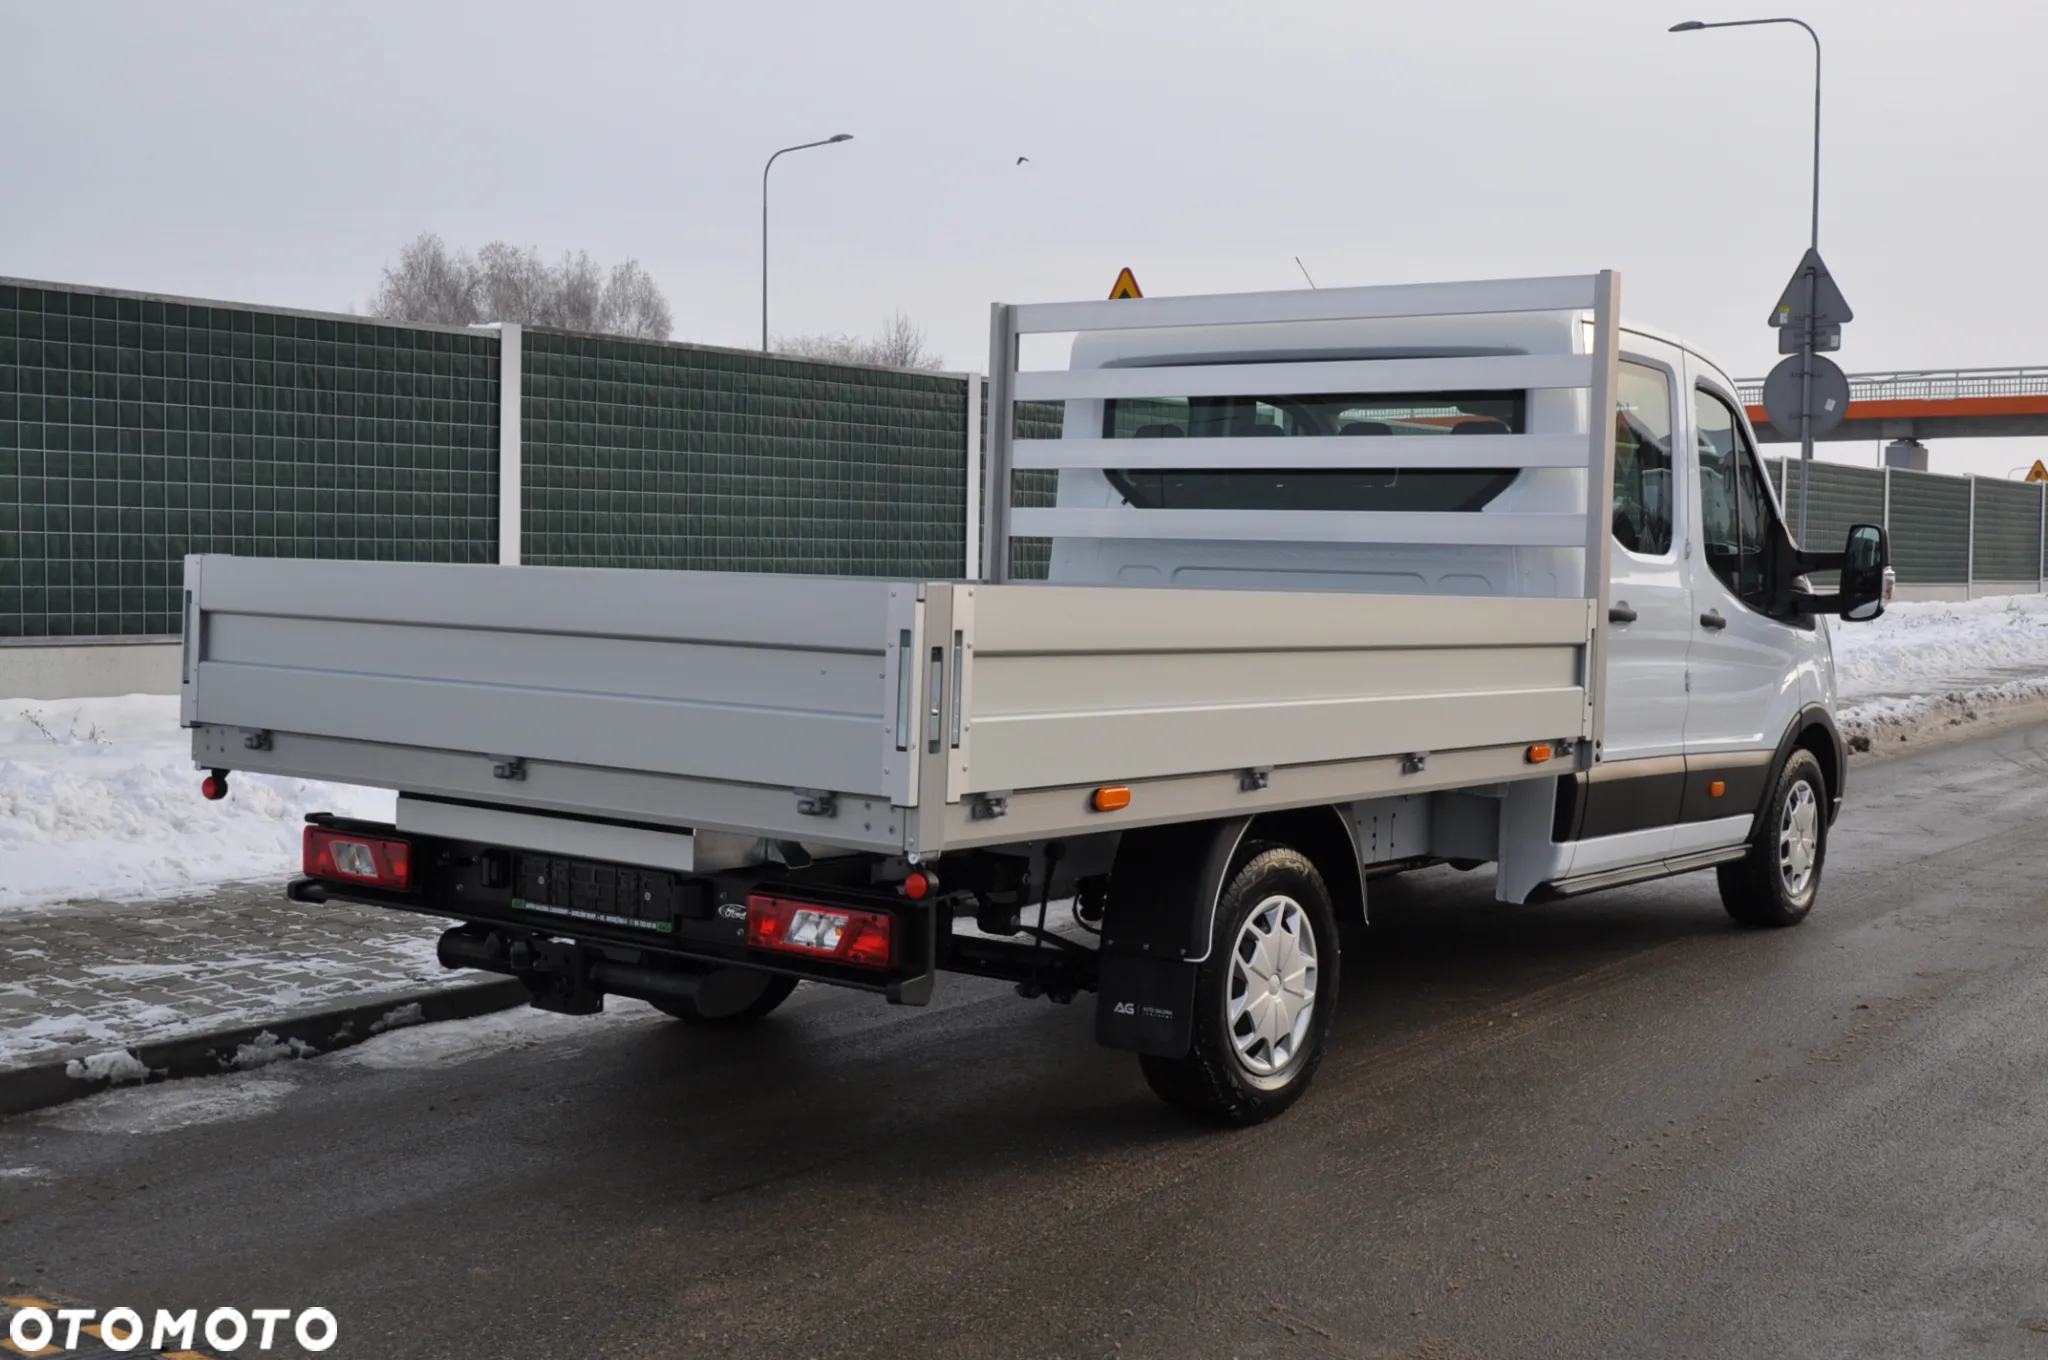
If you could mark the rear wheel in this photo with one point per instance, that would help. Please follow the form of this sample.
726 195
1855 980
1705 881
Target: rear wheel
1776 883
1264 997
728 998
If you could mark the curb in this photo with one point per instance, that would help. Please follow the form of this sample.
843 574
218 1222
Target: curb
203 1055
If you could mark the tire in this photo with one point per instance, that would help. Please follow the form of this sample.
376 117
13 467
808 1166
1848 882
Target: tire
731 998
1776 884
1235 1072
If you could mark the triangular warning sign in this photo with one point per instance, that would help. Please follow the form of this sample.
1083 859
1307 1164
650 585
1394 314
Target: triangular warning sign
2039 473
1126 286
1829 307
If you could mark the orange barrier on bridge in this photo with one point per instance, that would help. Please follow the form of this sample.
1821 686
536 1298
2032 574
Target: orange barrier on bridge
1909 408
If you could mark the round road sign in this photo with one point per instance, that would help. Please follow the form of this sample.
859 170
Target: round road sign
1782 393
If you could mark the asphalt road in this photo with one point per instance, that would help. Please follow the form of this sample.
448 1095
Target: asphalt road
1615 1127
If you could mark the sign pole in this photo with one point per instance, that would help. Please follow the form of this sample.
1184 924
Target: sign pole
1812 312
1807 393
1806 405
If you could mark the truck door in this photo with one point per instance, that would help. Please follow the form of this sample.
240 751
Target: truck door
1743 664
1637 785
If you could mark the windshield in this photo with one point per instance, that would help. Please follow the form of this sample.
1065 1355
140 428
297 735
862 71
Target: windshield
1306 486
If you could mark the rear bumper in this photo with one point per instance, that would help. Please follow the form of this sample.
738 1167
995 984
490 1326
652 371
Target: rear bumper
622 917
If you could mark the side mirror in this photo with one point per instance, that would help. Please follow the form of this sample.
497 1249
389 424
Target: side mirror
1866 573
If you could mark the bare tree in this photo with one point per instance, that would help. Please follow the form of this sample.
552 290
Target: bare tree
505 283
429 283
512 284
633 303
900 343
579 294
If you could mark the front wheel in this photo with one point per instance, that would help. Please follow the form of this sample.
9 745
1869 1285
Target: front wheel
1776 883
1263 998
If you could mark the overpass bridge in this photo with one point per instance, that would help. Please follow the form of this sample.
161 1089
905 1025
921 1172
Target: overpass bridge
1949 403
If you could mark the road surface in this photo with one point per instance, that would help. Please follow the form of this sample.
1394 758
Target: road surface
1612 1127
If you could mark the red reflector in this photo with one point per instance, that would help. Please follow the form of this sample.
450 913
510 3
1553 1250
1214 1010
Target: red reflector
841 934
918 886
359 858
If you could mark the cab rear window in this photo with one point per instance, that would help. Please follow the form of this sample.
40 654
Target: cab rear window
1307 486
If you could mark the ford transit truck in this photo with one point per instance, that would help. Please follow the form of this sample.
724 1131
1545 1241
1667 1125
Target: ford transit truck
1341 583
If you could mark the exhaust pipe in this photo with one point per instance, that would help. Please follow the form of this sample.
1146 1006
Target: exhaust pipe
651 984
489 952
463 948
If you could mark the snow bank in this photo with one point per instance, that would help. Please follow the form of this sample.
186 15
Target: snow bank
1928 655
99 799
118 1065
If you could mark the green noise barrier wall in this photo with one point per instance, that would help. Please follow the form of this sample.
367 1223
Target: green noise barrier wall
638 454
2007 538
134 430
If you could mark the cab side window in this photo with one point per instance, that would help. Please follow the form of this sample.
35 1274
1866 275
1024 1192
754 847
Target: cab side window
1735 509
1642 461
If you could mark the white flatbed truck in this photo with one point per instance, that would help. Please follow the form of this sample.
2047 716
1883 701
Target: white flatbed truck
1298 632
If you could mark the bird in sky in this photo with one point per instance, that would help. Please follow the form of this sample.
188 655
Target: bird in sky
1022 159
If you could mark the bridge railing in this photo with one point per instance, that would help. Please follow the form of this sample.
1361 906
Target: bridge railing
1945 384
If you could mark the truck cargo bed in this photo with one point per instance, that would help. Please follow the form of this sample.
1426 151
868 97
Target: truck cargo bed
870 714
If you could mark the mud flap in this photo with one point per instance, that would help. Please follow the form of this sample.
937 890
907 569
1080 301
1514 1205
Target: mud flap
1155 933
1146 1005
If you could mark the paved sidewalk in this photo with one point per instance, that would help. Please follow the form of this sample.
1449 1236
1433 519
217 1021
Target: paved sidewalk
89 977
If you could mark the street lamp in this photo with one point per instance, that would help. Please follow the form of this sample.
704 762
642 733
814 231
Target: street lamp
804 146
1813 280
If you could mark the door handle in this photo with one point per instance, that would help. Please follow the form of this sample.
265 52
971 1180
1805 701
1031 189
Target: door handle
1619 612
1712 619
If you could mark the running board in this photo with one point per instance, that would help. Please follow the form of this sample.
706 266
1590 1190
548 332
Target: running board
1637 873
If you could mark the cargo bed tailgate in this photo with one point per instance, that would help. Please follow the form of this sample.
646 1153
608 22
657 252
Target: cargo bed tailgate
781 680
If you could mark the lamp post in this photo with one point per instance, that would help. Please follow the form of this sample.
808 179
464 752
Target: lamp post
803 146
1813 280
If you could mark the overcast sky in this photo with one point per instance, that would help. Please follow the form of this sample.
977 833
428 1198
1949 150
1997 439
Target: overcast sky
281 153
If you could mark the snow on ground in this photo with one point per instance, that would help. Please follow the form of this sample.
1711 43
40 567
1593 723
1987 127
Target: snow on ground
226 983
461 1041
1922 655
248 1094
174 1105
99 798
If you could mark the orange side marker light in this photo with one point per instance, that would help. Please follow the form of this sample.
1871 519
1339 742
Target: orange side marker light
1111 798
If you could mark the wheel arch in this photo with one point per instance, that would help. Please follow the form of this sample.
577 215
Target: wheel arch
1165 880
1326 837
1813 729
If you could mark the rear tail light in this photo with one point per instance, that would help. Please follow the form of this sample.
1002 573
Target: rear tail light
837 934
358 858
